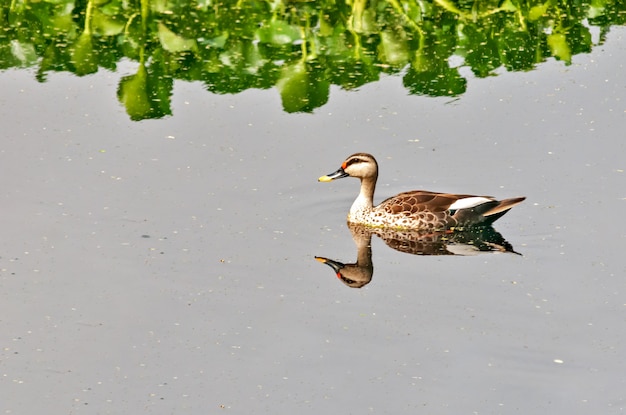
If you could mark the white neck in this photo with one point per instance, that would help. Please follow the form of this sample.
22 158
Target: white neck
365 200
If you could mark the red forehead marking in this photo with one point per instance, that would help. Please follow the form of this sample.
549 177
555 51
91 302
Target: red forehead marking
339 275
344 165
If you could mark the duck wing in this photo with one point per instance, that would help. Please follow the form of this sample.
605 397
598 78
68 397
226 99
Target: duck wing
447 209
420 201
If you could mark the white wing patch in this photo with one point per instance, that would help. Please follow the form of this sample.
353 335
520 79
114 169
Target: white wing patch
469 202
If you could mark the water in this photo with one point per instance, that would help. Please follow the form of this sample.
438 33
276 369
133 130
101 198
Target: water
168 266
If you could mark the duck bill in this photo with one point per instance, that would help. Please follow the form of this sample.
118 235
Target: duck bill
336 175
335 265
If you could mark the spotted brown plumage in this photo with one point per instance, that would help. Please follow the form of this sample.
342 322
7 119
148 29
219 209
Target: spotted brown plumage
417 209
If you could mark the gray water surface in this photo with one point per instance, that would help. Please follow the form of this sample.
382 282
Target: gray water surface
168 266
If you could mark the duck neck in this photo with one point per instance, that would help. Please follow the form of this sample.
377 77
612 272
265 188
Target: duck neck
365 200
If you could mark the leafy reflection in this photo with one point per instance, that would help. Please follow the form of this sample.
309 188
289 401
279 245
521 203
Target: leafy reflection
469 241
299 47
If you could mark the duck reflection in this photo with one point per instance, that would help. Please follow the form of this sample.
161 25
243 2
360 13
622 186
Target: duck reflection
469 241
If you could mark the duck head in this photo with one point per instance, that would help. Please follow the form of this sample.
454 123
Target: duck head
360 165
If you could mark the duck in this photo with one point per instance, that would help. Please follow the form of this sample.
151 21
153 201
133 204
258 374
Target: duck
420 210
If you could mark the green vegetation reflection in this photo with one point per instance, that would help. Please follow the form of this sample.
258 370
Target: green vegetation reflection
299 47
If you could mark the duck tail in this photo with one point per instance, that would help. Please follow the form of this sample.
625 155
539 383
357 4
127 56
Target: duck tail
501 208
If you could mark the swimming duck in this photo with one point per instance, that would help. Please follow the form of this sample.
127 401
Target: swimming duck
417 209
